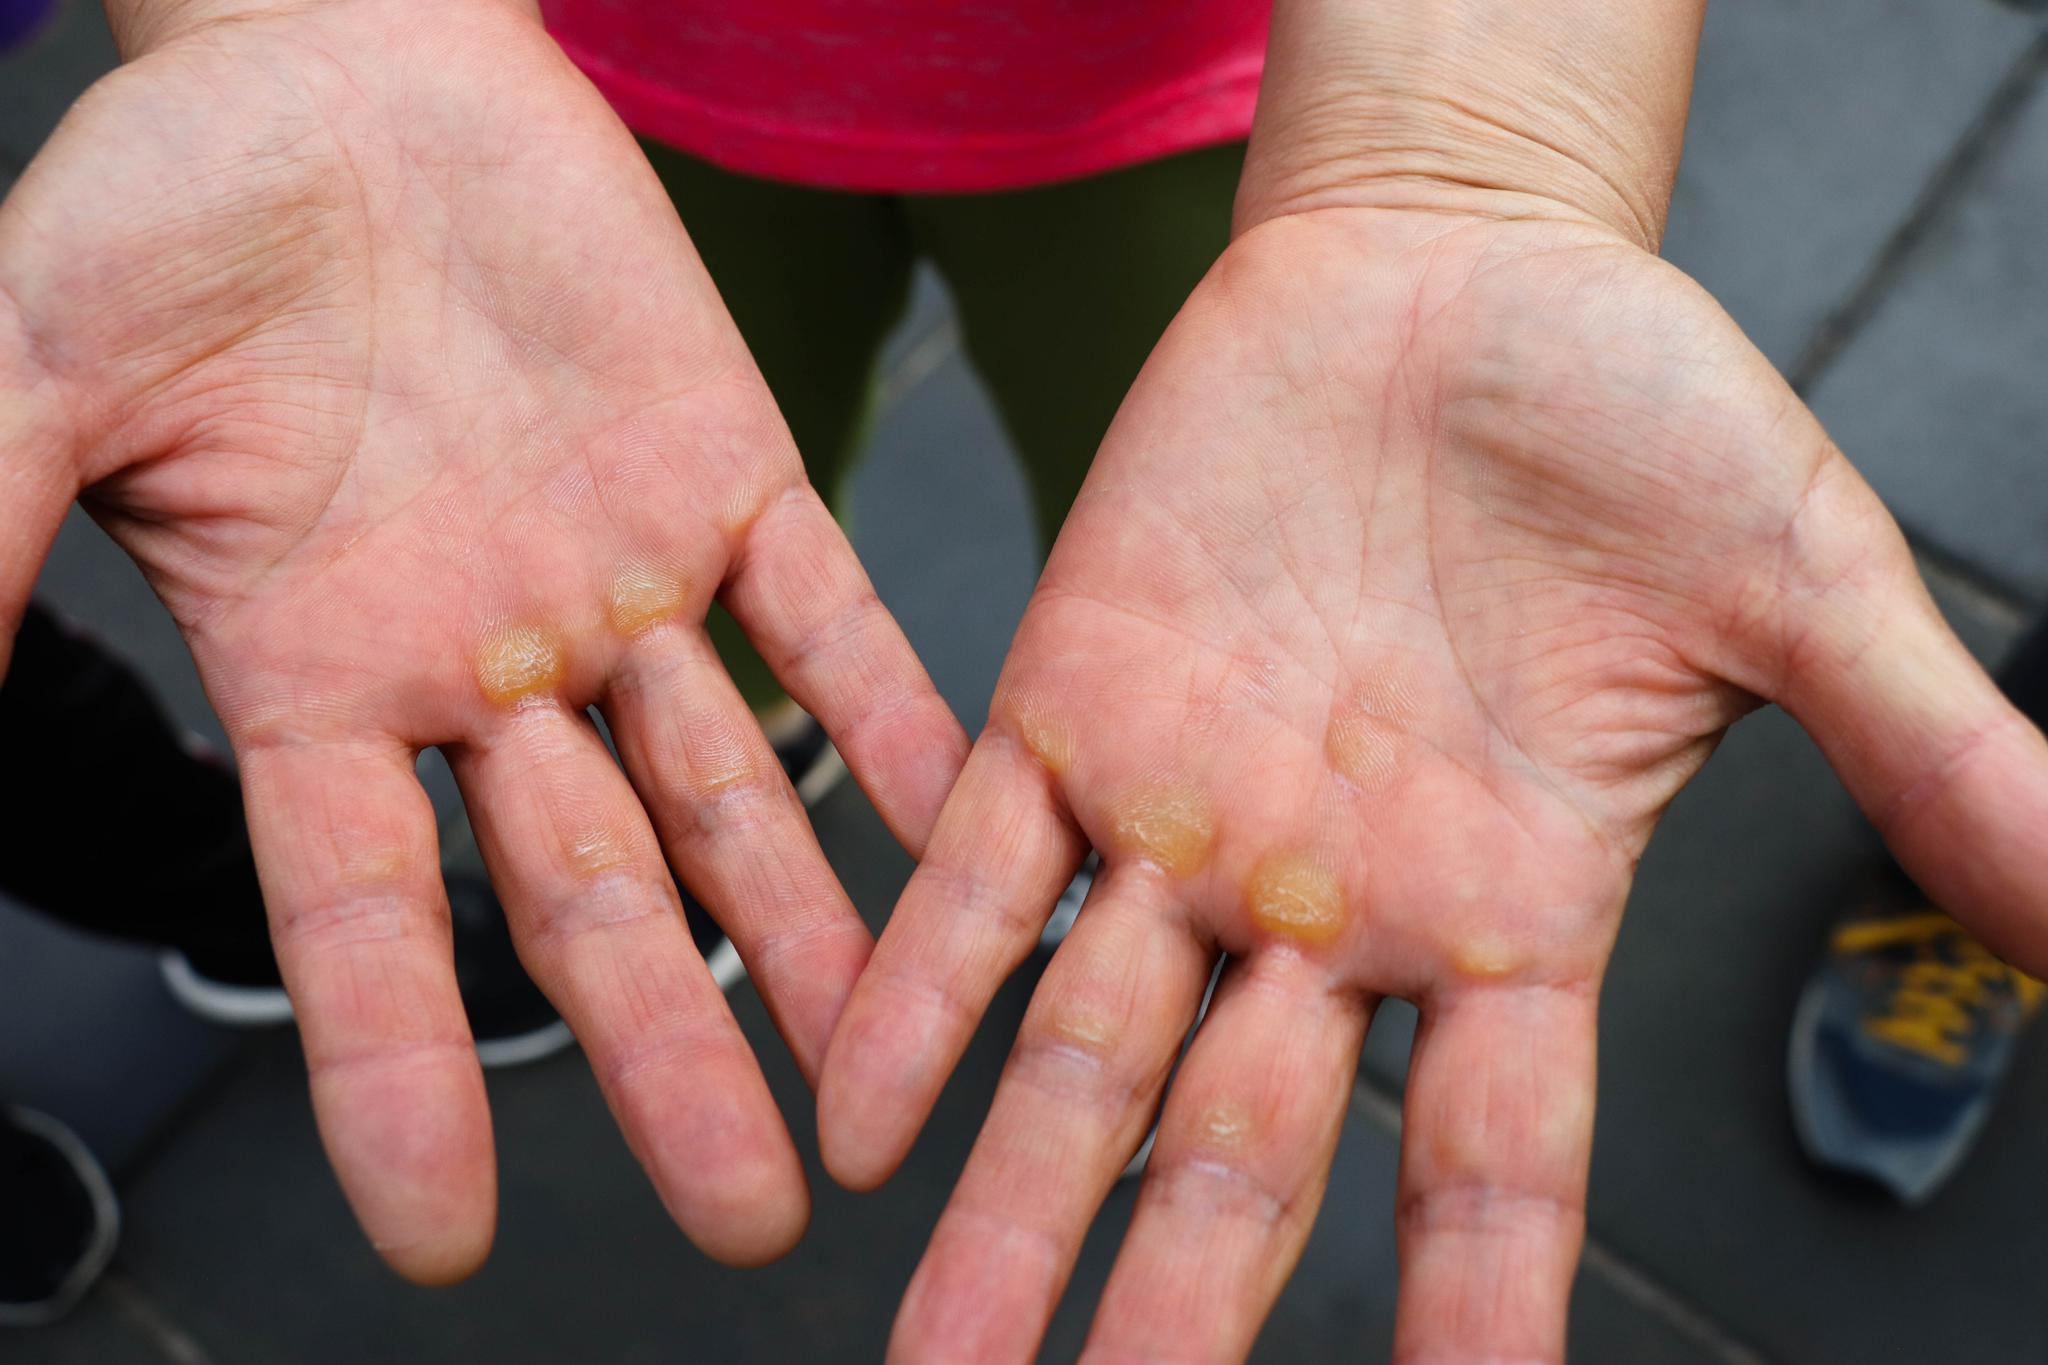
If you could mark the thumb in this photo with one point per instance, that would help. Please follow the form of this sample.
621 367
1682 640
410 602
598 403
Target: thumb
1950 772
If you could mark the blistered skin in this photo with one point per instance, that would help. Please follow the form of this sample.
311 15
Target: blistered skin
1084 1029
520 662
1368 738
1224 1126
643 598
1484 958
1362 750
597 852
1168 826
1296 897
1045 734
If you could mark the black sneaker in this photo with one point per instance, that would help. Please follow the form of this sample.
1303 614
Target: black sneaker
512 1021
61 1220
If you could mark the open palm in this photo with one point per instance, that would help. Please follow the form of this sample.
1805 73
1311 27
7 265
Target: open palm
1427 560
383 352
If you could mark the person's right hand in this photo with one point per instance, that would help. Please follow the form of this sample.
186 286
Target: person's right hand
368 331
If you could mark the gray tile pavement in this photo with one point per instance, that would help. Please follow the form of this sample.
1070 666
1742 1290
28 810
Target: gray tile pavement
1814 125
99 1332
1942 397
1697 1179
1696 1176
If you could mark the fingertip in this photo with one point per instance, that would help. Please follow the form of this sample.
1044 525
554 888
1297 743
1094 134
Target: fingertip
857 1171
867 1120
451 1257
763 1224
721 1160
422 1183
858 1151
1975 838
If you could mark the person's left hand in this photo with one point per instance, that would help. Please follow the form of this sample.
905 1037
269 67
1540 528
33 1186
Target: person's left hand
1428 558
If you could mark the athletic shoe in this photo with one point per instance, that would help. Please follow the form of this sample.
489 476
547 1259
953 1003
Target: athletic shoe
513 1023
1902 1038
61 1223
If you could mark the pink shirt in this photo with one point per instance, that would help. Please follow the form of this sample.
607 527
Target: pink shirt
922 95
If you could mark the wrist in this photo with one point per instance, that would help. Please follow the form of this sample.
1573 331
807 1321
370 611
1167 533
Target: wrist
1570 109
142 26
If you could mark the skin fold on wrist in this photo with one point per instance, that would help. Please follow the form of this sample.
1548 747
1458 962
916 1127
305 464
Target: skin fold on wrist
141 26
1569 108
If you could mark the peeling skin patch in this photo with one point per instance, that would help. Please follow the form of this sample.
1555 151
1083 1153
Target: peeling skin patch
1486 958
721 758
519 662
1369 735
1045 733
644 597
1225 1126
598 851
374 865
1083 1029
1362 751
1168 826
1294 896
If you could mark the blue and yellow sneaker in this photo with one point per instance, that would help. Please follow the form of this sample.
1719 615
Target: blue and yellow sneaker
1902 1038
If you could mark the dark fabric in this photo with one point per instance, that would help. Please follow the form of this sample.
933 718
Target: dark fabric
1061 292
113 824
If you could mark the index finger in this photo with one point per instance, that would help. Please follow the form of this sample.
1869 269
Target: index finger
807 605
971 913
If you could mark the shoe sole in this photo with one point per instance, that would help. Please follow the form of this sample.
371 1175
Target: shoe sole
727 970
248 1007
253 1007
215 1002
522 1049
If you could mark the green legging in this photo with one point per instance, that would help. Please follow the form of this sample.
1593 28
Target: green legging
1060 293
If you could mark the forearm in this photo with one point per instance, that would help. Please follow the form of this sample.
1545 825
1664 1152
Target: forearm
1576 104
